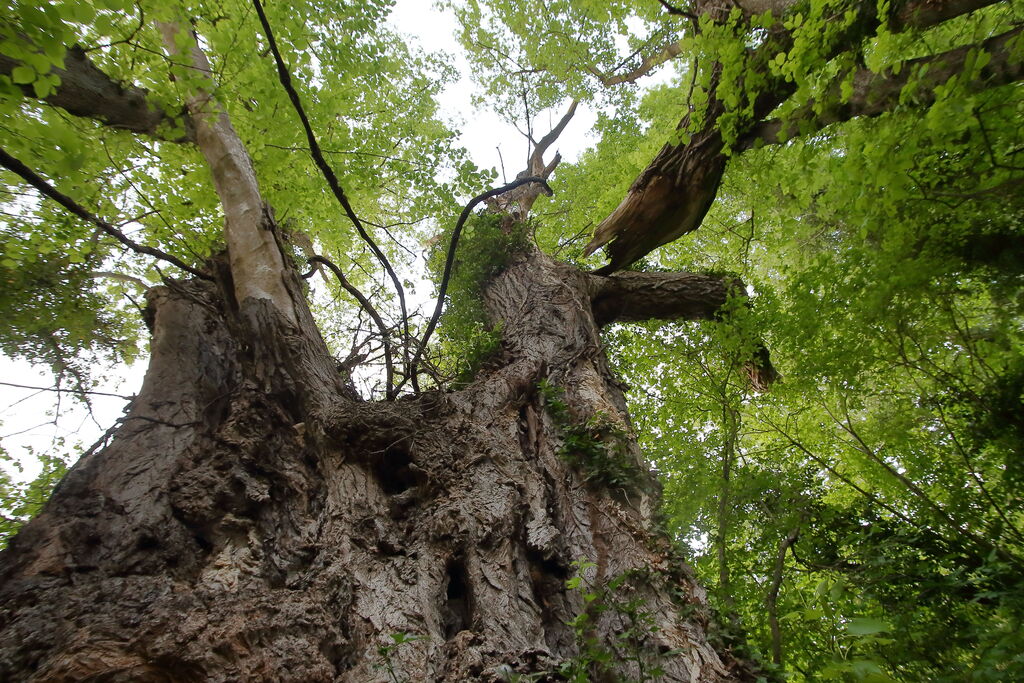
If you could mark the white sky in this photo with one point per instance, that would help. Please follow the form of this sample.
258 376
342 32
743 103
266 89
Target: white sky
27 416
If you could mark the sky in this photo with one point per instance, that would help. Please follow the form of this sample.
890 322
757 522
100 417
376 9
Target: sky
27 415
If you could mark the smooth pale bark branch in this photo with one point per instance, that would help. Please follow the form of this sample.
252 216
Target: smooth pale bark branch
86 91
673 194
731 423
257 266
772 599
874 94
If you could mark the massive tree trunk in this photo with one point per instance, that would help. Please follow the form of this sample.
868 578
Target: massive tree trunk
251 520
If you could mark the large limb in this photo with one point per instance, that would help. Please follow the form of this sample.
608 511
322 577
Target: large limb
673 194
873 94
635 297
257 265
288 354
86 91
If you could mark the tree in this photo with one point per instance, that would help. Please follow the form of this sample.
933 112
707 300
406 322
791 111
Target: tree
253 516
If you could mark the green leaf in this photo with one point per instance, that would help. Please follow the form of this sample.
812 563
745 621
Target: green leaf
864 626
23 74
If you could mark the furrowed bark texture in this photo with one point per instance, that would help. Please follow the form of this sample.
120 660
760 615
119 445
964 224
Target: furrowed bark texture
241 526
86 91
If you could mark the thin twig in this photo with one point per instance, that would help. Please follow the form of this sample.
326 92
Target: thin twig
47 190
66 391
325 169
368 307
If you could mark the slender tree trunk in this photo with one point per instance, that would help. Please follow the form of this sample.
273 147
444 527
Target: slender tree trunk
252 521
730 427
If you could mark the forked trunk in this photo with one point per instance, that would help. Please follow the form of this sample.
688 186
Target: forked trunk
243 525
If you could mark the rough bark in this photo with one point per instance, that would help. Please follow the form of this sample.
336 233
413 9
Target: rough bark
673 194
237 529
632 297
86 91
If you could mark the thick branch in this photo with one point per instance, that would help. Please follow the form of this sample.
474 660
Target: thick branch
634 297
537 158
257 266
47 190
86 91
772 599
516 200
673 194
874 94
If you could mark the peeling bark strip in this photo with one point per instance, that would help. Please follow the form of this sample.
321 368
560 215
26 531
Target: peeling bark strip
86 91
673 194
226 534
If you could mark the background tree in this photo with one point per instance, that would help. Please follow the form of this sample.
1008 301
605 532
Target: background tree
255 516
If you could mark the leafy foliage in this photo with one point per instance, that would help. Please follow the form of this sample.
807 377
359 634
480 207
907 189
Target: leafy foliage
21 501
485 249
632 641
597 446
